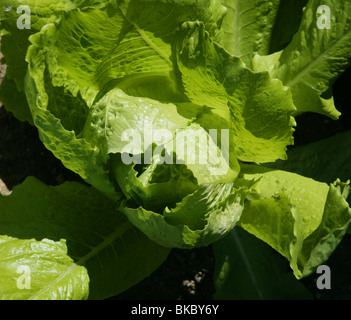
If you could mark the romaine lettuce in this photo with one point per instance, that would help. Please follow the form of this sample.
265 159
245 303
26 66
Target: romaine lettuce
170 110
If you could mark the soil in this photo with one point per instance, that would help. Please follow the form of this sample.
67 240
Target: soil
186 274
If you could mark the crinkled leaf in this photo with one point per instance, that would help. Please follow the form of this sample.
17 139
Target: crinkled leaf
118 118
314 59
74 152
145 132
247 27
201 218
259 27
172 153
40 270
123 45
304 220
256 108
201 162
169 14
14 42
135 57
14 45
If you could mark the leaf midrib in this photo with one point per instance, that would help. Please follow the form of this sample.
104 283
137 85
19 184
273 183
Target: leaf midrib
311 65
148 41
121 229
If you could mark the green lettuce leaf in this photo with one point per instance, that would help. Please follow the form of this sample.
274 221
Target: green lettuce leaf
246 27
66 94
40 270
74 242
74 152
117 116
136 53
314 59
14 42
200 219
256 108
304 220
90 3
262 27
151 132
14 45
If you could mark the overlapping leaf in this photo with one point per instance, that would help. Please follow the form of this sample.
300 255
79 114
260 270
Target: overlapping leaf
256 108
200 219
259 27
316 56
101 73
304 220
73 242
